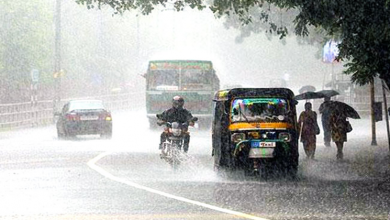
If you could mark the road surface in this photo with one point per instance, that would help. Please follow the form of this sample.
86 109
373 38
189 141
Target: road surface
42 177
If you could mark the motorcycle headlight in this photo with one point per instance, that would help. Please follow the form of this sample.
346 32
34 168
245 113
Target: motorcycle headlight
285 136
237 137
176 131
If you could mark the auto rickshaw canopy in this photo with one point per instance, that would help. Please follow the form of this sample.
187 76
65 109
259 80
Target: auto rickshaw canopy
229 94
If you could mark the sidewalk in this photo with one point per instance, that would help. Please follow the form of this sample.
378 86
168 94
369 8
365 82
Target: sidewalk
362 162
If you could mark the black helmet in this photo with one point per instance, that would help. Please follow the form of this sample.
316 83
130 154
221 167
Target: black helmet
178 102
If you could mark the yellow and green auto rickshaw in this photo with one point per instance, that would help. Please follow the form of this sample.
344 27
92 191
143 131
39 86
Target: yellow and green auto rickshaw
255 130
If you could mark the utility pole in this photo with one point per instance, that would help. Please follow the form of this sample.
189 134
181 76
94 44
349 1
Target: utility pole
57 57
138 60
386 113
373 128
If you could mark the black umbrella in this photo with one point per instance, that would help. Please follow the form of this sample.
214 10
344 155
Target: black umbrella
309 95
344 109
329 92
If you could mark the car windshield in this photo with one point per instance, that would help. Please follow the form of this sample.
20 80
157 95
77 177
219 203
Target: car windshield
85 105
258 109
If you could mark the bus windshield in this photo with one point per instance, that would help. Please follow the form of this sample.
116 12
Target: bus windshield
258 109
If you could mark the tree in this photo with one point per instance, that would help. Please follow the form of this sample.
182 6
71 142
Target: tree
25 44
363 26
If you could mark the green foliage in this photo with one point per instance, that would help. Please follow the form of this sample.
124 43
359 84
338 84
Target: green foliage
25 44
145 6
361 25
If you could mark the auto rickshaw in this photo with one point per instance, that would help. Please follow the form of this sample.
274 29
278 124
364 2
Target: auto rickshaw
255 130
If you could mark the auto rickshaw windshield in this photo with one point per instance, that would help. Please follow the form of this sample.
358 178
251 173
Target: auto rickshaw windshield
258 109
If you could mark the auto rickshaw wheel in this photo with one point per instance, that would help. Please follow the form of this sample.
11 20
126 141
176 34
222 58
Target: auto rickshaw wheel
230 173
220 171
292 172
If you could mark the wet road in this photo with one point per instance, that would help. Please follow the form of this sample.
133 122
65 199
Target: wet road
42 177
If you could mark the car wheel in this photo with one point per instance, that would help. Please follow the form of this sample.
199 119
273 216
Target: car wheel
106 135
69 134
60 135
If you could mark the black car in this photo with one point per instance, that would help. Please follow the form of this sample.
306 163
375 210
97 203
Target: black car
84 117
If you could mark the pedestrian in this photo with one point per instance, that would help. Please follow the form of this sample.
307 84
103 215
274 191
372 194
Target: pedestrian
339 128
308 130
325 118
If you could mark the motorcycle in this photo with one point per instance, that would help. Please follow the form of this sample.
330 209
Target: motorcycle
171 150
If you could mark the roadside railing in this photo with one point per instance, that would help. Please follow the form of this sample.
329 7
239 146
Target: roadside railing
31 114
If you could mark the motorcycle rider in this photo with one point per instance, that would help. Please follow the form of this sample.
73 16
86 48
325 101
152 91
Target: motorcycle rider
176 114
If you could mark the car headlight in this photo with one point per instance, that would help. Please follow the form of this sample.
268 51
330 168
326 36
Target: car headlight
237 137
285 136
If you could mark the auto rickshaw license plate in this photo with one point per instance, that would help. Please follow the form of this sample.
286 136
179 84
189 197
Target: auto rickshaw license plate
263 144
261 152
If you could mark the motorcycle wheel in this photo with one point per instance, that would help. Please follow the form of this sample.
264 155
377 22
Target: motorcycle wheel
175 157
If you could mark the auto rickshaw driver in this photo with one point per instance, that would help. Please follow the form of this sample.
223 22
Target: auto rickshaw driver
239 111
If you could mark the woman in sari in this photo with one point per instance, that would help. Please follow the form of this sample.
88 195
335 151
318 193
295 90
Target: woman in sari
338 126
309 129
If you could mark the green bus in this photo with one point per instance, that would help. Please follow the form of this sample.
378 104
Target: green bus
194 80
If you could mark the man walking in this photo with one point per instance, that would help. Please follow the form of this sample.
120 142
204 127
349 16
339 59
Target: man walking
325 117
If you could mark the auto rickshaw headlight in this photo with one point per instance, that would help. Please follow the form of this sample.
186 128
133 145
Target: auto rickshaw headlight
237 137
253 135
268 135
285 136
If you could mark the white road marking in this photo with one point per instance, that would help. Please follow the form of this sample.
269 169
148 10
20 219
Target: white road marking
92 165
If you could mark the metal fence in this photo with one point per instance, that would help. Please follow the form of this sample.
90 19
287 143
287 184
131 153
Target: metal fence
38 113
